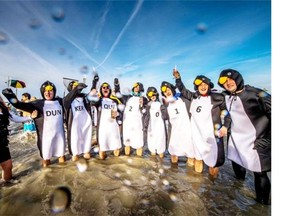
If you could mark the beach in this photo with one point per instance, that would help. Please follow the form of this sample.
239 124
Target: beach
124 185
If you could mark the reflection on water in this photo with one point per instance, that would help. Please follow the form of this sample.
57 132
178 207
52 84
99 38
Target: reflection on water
124 186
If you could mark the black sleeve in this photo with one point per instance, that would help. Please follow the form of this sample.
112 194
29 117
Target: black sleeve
264 99
265 103
146 117
12 98
116 85
185 92
223 108
67 100
164 112
95 81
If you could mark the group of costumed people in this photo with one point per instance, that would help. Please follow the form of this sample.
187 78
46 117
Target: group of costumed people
187 123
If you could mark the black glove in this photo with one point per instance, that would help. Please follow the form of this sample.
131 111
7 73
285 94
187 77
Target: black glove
116 81
81 86
96 77
7 91
9 94
95 81
116 85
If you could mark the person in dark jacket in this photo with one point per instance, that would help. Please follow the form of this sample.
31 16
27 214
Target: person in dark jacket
249 142
5 157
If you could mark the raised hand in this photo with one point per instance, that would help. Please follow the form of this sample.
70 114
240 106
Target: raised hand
176 74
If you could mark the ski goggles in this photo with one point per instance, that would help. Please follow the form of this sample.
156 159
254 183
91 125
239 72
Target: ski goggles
197 82
164 88
222 80
48 88
151 93
75 84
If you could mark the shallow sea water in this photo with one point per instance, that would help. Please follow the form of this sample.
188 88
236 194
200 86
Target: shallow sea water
124 185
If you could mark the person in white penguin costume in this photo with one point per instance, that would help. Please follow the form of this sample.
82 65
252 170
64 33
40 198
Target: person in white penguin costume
133 135
207 110
109 120
175 110
79 125
249 140
154 124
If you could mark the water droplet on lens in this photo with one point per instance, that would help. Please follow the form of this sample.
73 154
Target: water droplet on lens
82 165
96 149
224 113
62 51
217 126
13 100
60 199
173 198
121 107
165 182
3 38
117 175
127 182
35 23
84 69
58 14
201 28
263 94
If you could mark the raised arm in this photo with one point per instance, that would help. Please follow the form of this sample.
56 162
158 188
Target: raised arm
12 98
180 85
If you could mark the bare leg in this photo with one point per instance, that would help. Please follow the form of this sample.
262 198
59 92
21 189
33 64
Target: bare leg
127 150
199 166
139 152
7 170
190 162
87 155
174 159
116 152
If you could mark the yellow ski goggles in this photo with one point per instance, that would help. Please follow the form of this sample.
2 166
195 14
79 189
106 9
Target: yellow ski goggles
75 84
48 88
164 88
150 94
197 82
222 80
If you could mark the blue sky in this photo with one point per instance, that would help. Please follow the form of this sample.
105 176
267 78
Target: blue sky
136 41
